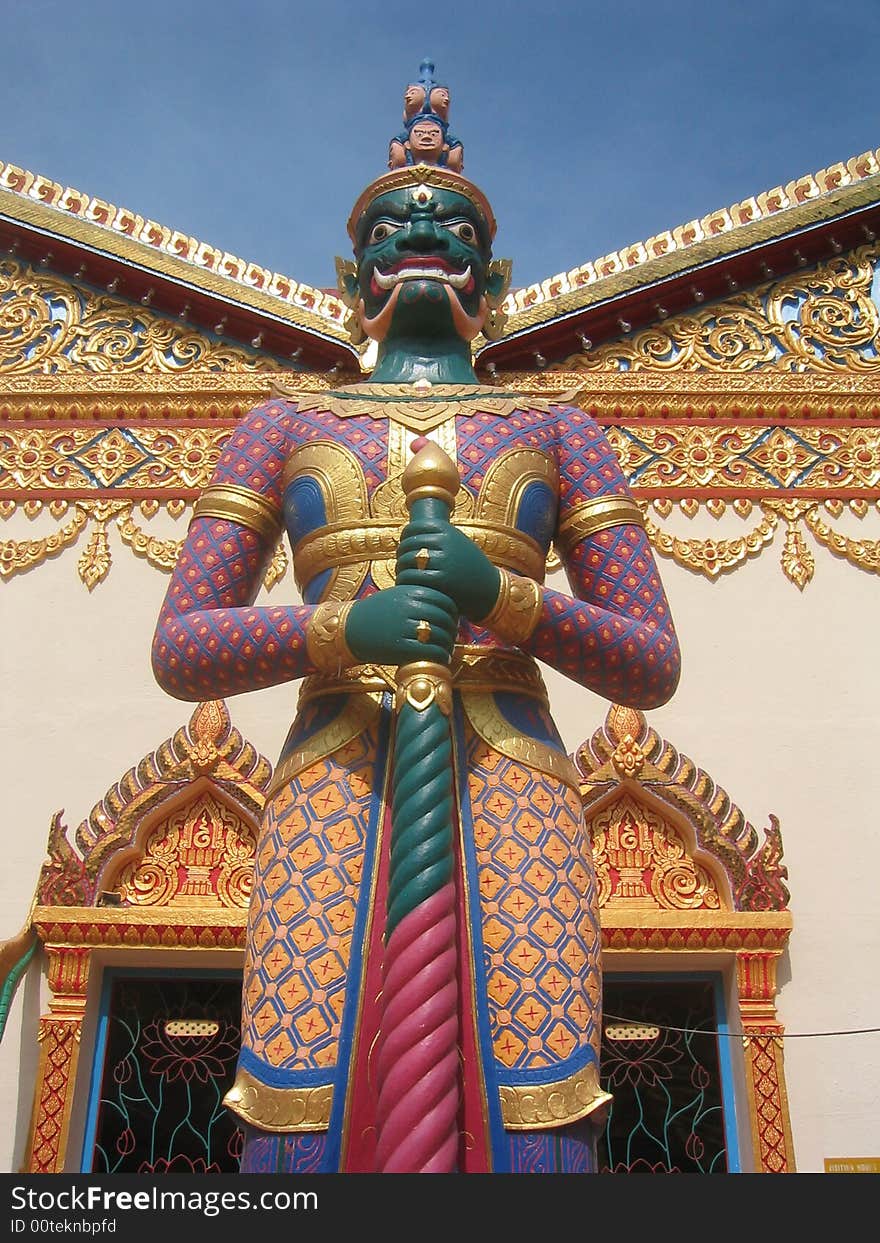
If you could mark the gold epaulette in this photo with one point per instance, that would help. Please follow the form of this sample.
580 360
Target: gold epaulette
239 504
594 515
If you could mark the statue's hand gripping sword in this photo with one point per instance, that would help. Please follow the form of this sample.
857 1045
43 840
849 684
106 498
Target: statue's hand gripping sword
417 1053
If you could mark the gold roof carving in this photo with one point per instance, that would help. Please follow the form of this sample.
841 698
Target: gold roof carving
203 789
823 320
55 325
832 191
639 793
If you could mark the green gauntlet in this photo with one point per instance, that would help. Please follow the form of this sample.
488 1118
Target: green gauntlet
442 556
402 624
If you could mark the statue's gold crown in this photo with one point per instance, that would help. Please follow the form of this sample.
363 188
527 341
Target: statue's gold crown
422 175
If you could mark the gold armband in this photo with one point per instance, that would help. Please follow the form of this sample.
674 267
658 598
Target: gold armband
596 515
237 504
517 610
325 638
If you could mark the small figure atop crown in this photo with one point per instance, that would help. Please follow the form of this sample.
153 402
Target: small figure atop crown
426 137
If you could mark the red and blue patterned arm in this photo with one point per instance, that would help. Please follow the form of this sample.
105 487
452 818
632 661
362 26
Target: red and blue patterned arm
615 633
211 640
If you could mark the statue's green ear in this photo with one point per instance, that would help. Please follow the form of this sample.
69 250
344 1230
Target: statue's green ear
498 281
347 281
350 292
497 285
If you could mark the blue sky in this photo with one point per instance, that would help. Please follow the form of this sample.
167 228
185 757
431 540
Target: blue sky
254 125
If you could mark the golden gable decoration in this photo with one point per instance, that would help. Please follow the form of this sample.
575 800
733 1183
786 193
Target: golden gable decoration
54 325
85 219
642 862
823 319
839 188
628 767
200 856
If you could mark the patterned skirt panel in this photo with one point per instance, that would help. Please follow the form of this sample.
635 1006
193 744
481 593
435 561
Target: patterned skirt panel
530 896
309 865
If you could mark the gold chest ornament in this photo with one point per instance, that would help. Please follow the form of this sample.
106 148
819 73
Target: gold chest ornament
362 532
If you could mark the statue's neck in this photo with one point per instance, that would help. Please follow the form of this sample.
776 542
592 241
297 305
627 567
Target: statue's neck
404 360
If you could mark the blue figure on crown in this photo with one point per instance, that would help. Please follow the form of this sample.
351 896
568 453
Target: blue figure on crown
426 137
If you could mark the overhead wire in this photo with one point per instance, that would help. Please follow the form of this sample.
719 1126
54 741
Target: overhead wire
703 1031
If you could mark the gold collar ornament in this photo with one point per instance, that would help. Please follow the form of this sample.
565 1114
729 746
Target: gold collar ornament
420 407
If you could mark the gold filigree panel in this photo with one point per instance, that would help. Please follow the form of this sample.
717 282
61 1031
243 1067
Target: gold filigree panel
688 397
50 325
777 449
642 861
83 457
134 398
747 458
712 467
200 856
823 319
96 558
713 557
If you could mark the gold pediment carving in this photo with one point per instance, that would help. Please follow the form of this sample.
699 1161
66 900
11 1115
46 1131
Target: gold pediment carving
199 856
822 319
642 861
666 838
56 325
177 829
757 220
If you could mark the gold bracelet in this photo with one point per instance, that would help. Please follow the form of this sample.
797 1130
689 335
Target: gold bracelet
325 638
238 504
517 611
594 515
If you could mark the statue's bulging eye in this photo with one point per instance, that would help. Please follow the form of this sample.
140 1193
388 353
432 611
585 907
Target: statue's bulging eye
381 231
464 231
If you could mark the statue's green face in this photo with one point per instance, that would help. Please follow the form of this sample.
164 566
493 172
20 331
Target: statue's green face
422 263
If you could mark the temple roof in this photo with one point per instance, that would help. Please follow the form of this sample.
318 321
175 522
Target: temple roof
771 233
826 212
72 233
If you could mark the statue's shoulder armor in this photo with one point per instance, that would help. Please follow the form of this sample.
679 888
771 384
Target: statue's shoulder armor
575 426
254 455
589 468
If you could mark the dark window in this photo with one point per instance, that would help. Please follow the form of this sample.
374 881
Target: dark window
169 1053
660 1060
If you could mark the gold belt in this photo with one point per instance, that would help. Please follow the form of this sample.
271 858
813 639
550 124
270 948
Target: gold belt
342 544
474 669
